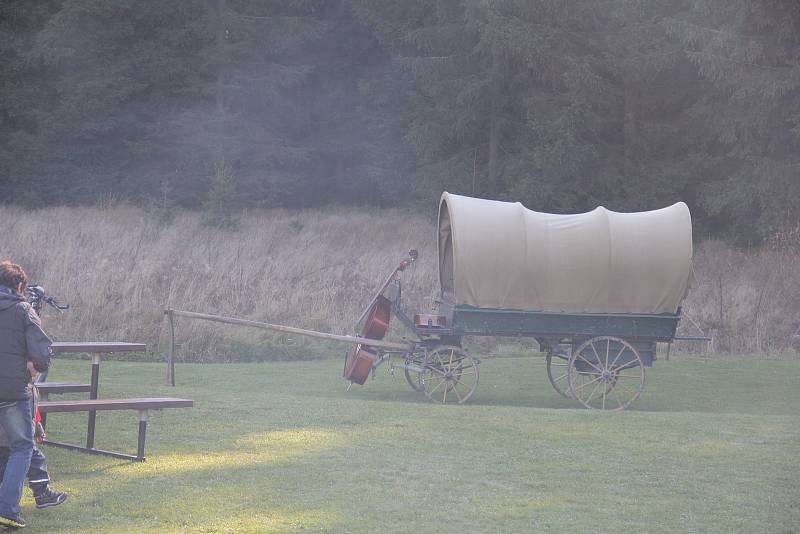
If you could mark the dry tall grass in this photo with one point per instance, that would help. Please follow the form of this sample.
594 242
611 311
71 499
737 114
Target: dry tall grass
120 266
748 300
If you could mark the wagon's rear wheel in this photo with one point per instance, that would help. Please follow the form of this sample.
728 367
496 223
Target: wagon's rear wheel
605 373
557 365
449 375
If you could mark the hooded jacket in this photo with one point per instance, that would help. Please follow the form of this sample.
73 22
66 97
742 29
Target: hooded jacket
21 339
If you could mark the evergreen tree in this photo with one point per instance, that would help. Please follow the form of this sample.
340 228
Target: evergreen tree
123 77
748 54
461 89
23 98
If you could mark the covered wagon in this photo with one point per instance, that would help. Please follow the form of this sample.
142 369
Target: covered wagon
597 290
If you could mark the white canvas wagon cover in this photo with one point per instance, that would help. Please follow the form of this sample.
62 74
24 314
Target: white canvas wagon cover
502 255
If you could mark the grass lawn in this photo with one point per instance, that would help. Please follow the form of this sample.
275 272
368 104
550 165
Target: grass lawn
711 446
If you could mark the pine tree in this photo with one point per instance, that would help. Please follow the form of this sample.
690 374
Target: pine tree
461 89
748 55
23 99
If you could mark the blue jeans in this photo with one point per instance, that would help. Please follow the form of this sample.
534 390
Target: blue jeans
15 418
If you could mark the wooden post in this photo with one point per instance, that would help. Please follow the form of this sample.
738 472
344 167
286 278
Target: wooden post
171 353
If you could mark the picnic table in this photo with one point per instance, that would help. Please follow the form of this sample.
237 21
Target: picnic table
96 349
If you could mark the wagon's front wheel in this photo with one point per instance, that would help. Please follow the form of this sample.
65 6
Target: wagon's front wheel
449 374
413 377
605 373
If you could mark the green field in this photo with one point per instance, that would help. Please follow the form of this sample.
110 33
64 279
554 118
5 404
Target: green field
711 446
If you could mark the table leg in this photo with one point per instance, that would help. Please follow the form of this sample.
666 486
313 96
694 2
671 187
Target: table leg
93 395
142 435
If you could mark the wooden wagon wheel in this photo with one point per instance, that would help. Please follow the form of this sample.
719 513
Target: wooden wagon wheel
449 375
557 365
605 373
416 360
413 377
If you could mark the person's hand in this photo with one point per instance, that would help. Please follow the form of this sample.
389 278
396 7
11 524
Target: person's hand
32 370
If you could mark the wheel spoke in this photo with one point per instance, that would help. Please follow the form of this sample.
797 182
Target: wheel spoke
619 401
437 386
629 365
589 398
469 388
588 383
637 377
563 378
626 399
590 363
455 390
591 344
467 373
618 355
623 386
438 371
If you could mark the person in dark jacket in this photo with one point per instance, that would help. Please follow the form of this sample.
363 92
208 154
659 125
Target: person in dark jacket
22 340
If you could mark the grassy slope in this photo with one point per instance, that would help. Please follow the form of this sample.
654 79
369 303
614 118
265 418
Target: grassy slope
710 447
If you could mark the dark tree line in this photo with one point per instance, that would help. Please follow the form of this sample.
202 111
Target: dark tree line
563 105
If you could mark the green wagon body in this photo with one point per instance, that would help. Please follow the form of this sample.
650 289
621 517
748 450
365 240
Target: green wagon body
643 331
472 321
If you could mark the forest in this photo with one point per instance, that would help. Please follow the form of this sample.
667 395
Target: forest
226 105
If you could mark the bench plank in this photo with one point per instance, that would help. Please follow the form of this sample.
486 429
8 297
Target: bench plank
84 405
62 387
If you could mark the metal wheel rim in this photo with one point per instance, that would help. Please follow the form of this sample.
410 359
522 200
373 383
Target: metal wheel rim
557 370
449 375
610 379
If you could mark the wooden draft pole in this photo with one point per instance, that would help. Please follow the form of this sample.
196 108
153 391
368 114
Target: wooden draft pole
353 340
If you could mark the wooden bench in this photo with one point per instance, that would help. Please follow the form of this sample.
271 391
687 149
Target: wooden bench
90 405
